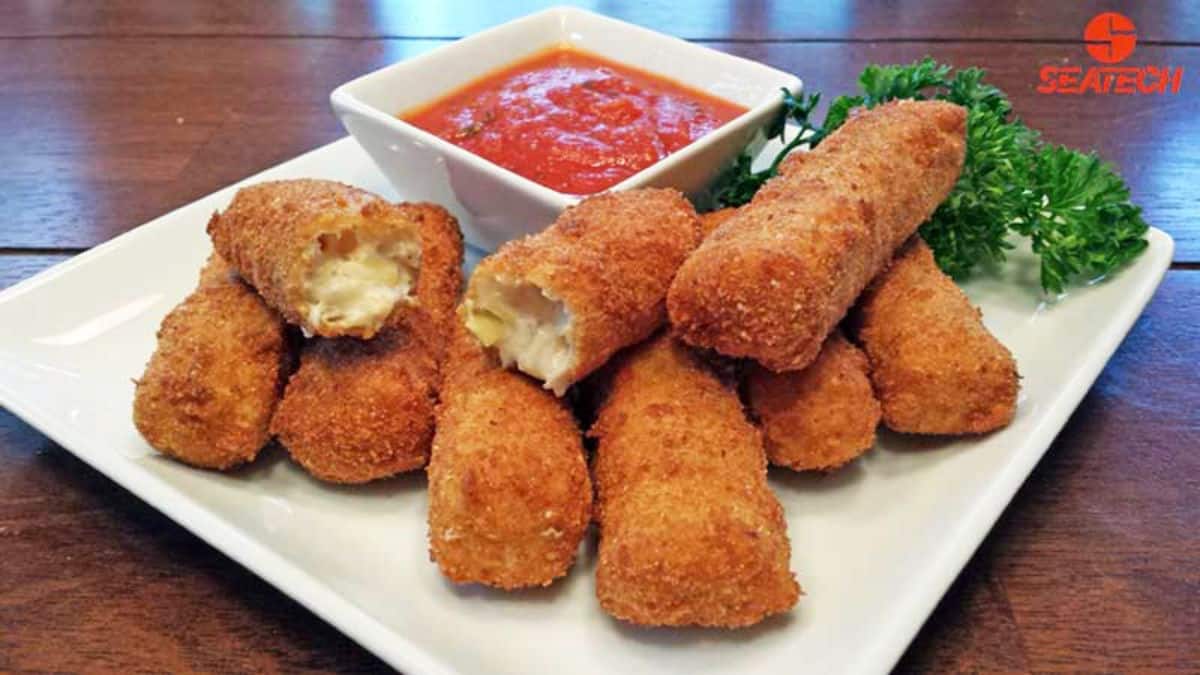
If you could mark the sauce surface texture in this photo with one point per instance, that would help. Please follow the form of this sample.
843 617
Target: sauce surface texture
573 121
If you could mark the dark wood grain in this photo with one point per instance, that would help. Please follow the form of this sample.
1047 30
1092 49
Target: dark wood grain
94 580
16 267
1093 567
157 123
1175 20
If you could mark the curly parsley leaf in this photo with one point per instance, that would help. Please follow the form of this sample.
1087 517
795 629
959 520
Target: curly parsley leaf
1079 217
971 227
737 184
968 89
839 111
880 84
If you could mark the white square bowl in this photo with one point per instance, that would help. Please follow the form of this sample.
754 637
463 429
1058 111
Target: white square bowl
501 204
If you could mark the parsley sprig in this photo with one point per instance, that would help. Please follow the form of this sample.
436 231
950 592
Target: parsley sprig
1073 207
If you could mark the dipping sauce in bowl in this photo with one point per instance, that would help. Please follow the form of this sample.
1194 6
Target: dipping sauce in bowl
573 121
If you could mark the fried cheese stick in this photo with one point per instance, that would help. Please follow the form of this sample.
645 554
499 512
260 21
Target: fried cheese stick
559 303
216 375
709 222
773 281
509 494
331 258
818 418
690 532
359 410
935 366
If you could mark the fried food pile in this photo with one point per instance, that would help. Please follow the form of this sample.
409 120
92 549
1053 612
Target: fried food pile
696 351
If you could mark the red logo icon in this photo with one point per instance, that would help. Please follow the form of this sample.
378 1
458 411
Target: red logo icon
1110 37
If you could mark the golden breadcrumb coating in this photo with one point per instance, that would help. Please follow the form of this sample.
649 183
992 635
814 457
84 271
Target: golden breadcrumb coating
818 418
214 379
690 532
935 366
602 269
331 258
359 410
439 287
509 494
773 281
709 222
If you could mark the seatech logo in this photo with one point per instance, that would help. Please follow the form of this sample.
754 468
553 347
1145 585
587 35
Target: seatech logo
1110 38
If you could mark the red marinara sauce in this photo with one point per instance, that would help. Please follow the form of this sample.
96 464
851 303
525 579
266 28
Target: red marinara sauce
573 121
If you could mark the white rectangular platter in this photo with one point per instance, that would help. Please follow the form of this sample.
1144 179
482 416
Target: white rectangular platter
874 546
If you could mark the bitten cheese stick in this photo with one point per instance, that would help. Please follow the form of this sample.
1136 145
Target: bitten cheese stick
690 533
359 410
818 418
207 394
331 258
773 281
936 368
557 304
509 494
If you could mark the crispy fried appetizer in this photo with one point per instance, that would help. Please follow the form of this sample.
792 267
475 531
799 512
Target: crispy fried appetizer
818 418
331 258
359 410
935 366
690 532
207 394
773 281
509 494
557 304
709 222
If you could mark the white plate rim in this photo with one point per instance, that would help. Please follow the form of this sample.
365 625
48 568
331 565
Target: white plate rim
881 654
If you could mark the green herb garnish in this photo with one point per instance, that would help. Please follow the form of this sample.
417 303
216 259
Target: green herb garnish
1073 207
738 183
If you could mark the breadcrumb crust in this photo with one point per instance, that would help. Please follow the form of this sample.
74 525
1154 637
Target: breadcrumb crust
208 392
610 259
510 498
690 532
773 281
360 410
935 367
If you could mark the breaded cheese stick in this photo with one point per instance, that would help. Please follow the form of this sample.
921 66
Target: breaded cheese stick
557 304
709 222
773 281
509 494
935 366
331 258
690 532
818 418
208 391
359 410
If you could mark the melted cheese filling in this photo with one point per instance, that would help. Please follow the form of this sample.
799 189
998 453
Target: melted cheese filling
527 326
356 284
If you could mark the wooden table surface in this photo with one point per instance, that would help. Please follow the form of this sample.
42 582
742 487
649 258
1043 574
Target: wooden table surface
114 113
